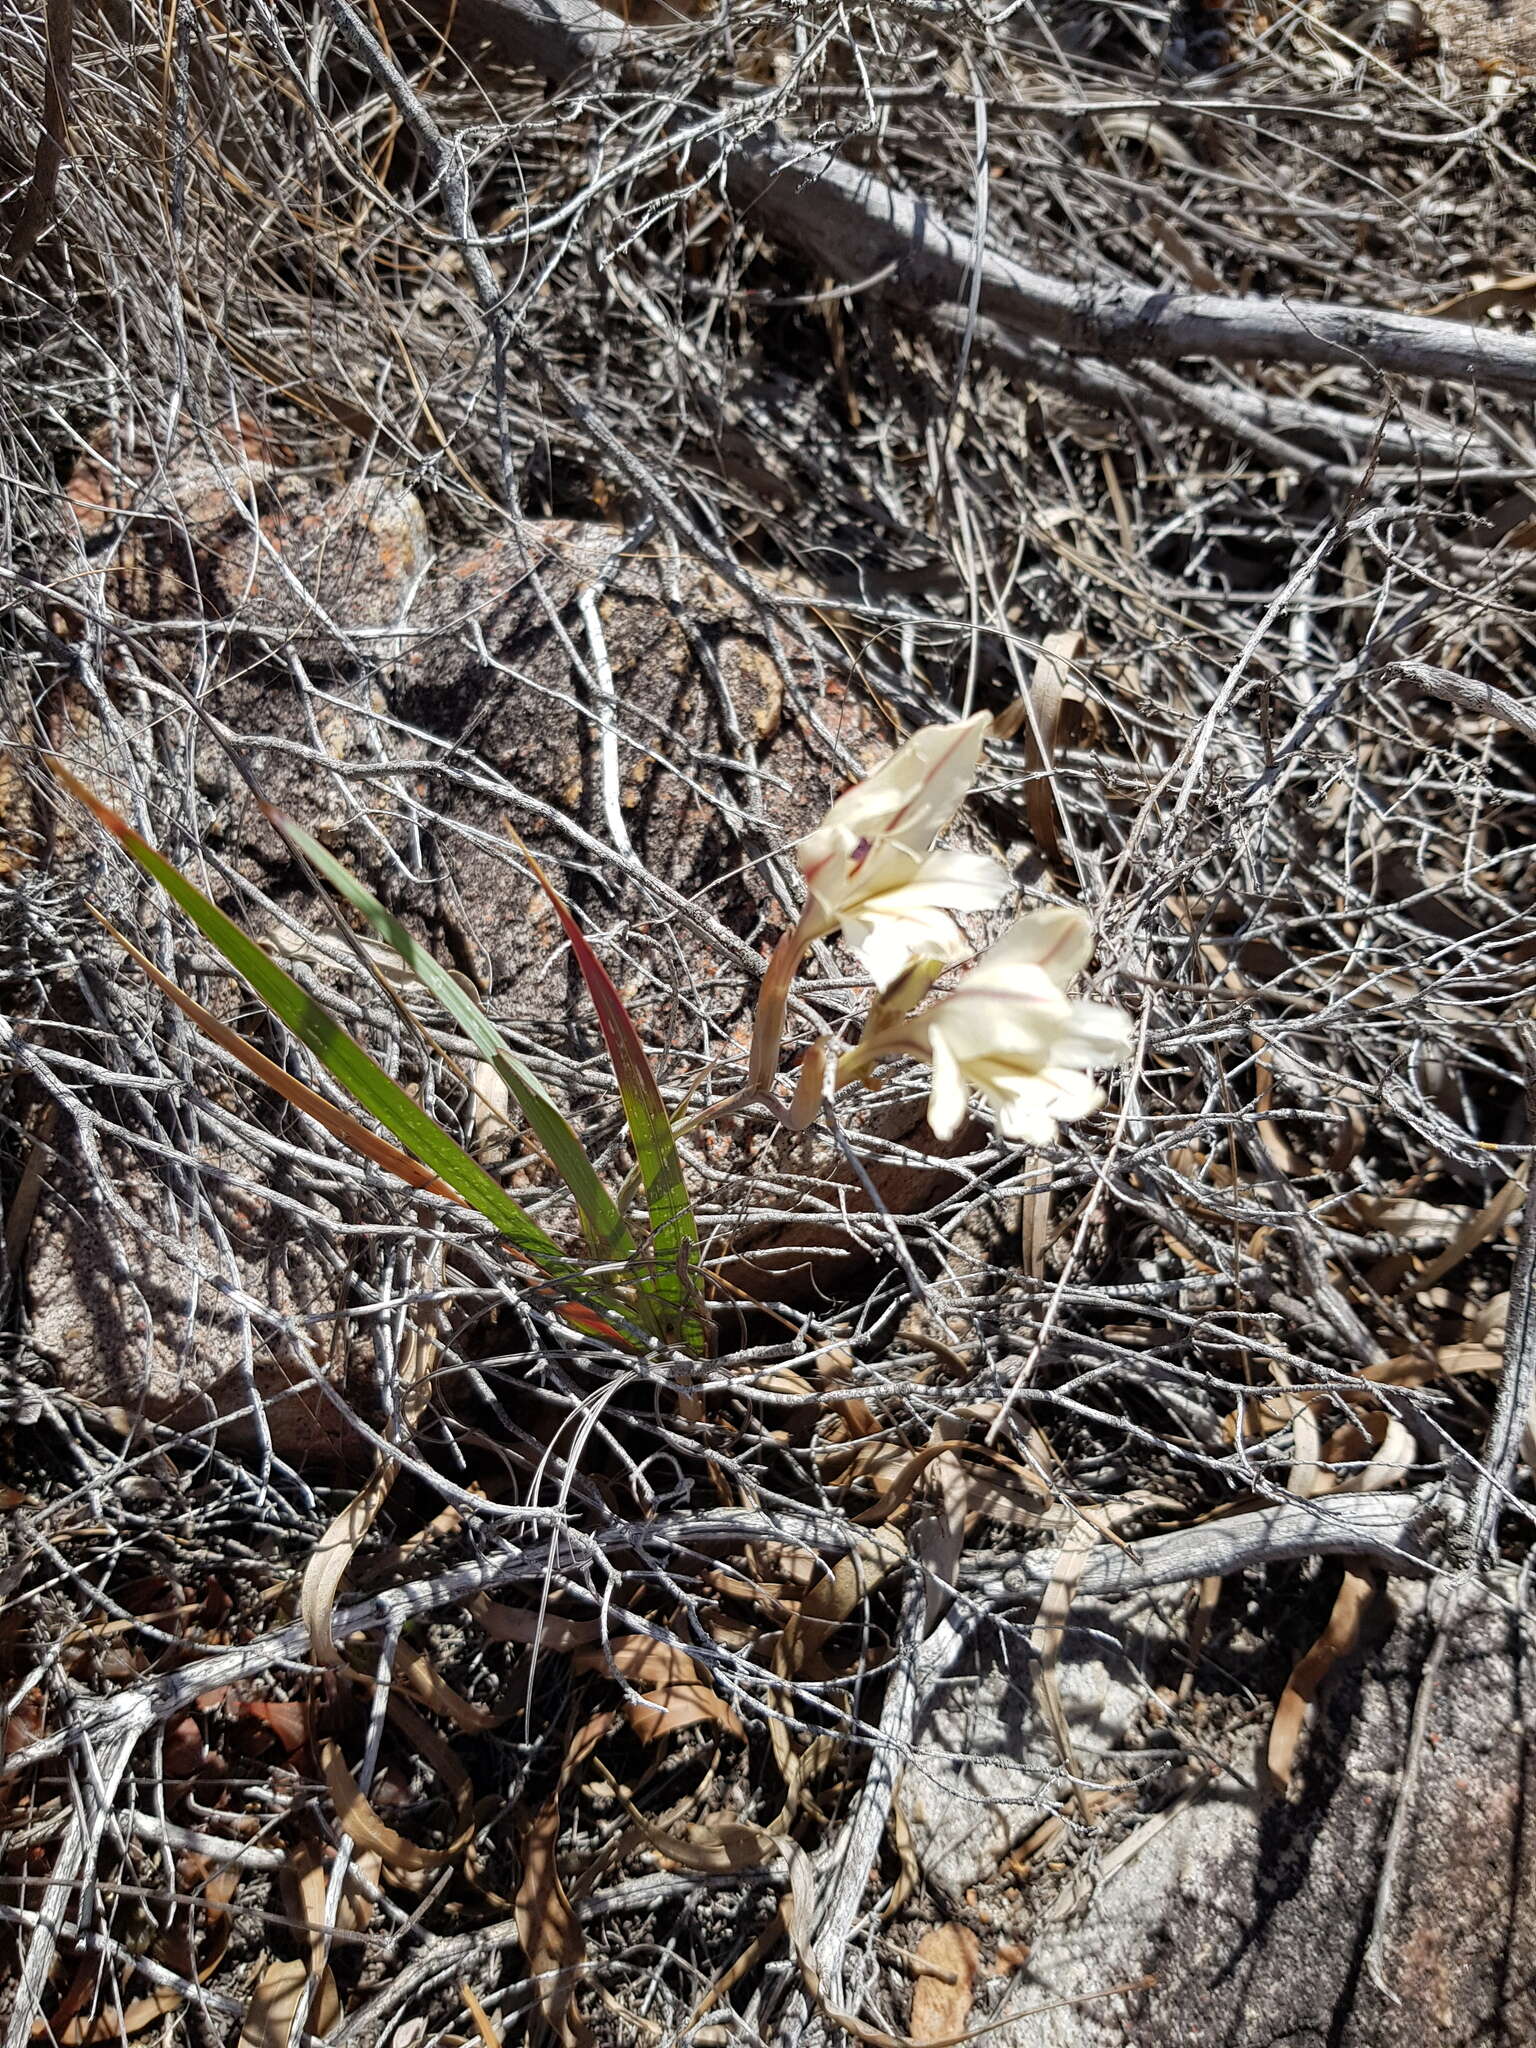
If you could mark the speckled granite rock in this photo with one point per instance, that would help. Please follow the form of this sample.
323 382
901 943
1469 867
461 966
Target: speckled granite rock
1477 37
985 1771
1255 1919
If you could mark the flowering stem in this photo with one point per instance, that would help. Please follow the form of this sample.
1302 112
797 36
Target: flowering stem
859 1063
742 1099
768 1025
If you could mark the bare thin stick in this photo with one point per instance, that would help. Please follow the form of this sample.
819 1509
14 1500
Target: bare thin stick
1517 1382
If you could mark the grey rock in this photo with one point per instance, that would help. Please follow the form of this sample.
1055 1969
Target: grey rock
985 1770
161 1302
1255 1918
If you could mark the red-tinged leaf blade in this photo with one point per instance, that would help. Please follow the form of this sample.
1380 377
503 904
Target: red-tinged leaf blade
674 1232
343 1058
606 1233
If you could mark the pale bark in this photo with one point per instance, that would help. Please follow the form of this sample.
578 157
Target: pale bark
853 224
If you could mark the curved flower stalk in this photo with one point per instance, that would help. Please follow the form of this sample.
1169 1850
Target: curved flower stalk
871 872
1009 1032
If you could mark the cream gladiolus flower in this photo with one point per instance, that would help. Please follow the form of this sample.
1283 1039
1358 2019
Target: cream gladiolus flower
870 869
871 872
1011 1034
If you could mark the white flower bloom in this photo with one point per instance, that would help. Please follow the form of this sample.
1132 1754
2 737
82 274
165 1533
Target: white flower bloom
870 868
1011 1033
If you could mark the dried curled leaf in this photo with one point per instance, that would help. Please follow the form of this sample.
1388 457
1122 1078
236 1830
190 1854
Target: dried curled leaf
1337 1640
280 1990
1488 294
553 1632
427 1684
546 1923
404 1861
332 1556
549 1930
331 1559
113 2025
674 1693
1042 716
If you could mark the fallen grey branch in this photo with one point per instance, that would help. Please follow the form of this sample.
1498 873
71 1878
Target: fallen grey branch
125 1958
1486 699
1260 420
221 1849
845 1865
1392 1529
132 1711
452 1956
852 223
557 38
72 1872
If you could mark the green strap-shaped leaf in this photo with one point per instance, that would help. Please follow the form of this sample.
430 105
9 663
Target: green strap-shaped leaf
341 1123
607 1235
346 1061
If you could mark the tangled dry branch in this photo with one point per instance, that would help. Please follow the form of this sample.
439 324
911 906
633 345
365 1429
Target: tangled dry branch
526 417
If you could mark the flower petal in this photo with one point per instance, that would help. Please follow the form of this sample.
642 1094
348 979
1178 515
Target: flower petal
840 870
1030 1106
1094 1035
1073 1095
913 796
1024 1114
1058 939
1016 1027
886 945
946 880
824 857
948 1098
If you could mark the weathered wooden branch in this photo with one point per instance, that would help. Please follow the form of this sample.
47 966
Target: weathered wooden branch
1467 693
53 136
852 224
1280 429
1394 1530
